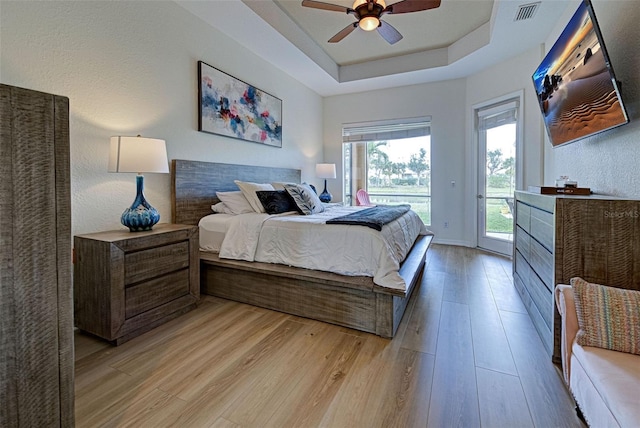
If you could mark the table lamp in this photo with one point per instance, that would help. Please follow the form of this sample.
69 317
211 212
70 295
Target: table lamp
325 170
138 154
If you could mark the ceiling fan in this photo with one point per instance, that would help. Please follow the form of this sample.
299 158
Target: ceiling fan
369 12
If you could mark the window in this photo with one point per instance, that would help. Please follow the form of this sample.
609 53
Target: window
392 161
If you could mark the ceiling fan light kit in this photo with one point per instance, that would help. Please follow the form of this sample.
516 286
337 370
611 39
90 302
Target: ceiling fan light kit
369 12
369 23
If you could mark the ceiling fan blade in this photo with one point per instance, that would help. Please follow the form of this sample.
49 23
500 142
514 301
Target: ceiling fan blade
389 33
407 6
344 33
325 6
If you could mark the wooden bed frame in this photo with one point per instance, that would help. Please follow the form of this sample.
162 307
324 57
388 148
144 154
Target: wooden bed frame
350 301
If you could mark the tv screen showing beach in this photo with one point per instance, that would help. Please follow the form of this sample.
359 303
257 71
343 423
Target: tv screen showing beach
575 83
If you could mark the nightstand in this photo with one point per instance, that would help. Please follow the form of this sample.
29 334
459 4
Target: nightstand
127 283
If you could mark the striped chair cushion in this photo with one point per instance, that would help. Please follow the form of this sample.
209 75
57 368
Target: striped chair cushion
608 317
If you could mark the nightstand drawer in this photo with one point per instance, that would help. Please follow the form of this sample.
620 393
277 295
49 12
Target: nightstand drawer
150 294
146 264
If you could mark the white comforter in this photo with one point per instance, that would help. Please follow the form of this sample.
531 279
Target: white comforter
307 242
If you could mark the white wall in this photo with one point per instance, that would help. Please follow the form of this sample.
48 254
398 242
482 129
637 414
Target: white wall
449 104
445 103
607 162
131 68
505 78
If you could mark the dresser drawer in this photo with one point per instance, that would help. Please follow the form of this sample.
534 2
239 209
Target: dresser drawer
153 293
542 227
523 242
146 264
542 297
522 268
523 216
542 263
534 313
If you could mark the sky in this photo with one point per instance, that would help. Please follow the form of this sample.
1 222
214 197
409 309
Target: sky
401 150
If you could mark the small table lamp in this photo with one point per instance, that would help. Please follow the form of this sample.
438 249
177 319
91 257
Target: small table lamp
325 170
138 154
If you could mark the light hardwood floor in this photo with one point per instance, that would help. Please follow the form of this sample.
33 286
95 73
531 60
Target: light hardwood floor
466 355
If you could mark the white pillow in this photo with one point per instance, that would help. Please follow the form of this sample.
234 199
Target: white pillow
235 202
221 208
249 191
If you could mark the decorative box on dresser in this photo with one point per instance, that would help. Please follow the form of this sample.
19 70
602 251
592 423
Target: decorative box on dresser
558 237
127 283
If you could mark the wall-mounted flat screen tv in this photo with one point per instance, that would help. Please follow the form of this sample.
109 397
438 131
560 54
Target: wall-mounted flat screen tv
577 89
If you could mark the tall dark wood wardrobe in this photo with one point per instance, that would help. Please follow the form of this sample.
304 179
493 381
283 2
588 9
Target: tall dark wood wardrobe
36 318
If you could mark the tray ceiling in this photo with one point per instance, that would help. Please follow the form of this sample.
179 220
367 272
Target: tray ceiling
458 39
422 31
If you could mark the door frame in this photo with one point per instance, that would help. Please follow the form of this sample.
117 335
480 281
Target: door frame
474 157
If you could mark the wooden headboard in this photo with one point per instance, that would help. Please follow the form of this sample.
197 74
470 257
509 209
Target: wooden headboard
194 185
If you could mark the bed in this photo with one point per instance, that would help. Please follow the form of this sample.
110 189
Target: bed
352 301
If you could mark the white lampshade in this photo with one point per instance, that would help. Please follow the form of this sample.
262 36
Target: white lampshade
138 154
326 170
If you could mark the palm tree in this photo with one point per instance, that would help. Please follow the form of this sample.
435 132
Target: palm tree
398 168
418 163
377 158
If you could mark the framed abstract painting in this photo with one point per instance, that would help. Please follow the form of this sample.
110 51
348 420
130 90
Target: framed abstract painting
230 107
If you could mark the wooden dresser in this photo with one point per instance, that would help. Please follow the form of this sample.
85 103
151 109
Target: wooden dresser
126 283
36 327
560 237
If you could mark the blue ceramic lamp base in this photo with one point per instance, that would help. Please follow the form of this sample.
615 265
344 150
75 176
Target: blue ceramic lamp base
140 216
325 196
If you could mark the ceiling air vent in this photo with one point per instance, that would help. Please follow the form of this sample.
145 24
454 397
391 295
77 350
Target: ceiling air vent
526 11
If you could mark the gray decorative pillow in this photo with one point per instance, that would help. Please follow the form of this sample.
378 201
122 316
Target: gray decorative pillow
276 201
305 198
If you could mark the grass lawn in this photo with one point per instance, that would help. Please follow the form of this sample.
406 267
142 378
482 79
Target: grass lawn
496 221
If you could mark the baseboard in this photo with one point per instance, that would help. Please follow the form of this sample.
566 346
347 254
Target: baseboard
453 242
